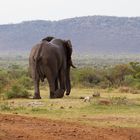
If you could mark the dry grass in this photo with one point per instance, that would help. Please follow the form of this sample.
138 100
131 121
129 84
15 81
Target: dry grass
123 112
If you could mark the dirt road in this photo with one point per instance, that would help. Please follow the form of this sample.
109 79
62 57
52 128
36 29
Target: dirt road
15 127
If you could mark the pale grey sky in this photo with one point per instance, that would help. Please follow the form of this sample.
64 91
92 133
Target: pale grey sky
13 11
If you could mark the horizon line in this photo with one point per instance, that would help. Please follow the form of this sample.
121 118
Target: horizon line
12 23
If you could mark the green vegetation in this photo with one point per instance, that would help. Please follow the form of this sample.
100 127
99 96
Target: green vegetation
120 75
15 81
118 85
17 91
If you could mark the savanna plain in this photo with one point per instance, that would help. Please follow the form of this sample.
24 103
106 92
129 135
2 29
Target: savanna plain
104 103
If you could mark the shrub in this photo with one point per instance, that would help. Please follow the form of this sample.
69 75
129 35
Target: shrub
17 91
3 77
3 81
26 82
132 82
104 84
117 74
85 77
135 68
4 106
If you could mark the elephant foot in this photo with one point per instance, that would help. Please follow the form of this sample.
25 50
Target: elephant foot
67 93
36 97
52 96
59 93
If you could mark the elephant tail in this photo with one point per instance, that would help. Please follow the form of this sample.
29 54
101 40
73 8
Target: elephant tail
38 69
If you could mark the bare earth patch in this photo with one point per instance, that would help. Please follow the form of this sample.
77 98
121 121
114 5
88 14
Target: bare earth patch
15 127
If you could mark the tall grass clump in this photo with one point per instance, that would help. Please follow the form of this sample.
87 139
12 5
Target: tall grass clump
17 91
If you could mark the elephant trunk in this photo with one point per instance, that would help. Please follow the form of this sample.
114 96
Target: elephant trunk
68 51
71 64
68 83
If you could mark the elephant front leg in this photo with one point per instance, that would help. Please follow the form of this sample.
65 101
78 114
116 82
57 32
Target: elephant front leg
37 91
52 80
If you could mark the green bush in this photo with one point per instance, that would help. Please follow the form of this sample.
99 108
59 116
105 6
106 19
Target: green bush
17 91
116 75
85 77
15 72
107 77
5 81
26 82
131 81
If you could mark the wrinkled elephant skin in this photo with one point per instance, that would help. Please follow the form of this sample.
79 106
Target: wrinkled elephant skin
51 59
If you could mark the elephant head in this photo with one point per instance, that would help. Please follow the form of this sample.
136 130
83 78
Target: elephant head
68 51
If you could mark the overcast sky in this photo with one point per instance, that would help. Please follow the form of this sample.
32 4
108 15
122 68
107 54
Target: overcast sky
13 11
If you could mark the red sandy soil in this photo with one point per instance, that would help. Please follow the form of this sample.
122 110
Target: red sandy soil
16 127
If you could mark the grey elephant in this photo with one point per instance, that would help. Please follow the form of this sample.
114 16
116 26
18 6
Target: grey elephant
51 59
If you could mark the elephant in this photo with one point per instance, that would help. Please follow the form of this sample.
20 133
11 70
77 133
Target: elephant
51 59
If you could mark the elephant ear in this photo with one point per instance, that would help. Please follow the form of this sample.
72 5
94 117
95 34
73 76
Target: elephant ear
48 38
68 48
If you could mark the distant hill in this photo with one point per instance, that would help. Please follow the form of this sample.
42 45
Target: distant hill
91 34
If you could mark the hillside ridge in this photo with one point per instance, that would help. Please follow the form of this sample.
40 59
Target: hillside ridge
89 34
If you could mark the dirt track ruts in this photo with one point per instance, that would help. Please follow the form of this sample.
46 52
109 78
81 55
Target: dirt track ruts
15 127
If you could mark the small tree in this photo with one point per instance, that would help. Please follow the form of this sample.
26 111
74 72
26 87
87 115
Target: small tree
116 75
135 67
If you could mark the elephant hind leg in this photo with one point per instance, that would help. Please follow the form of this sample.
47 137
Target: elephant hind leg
60 92
56 83
52 78
52 88
37 92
